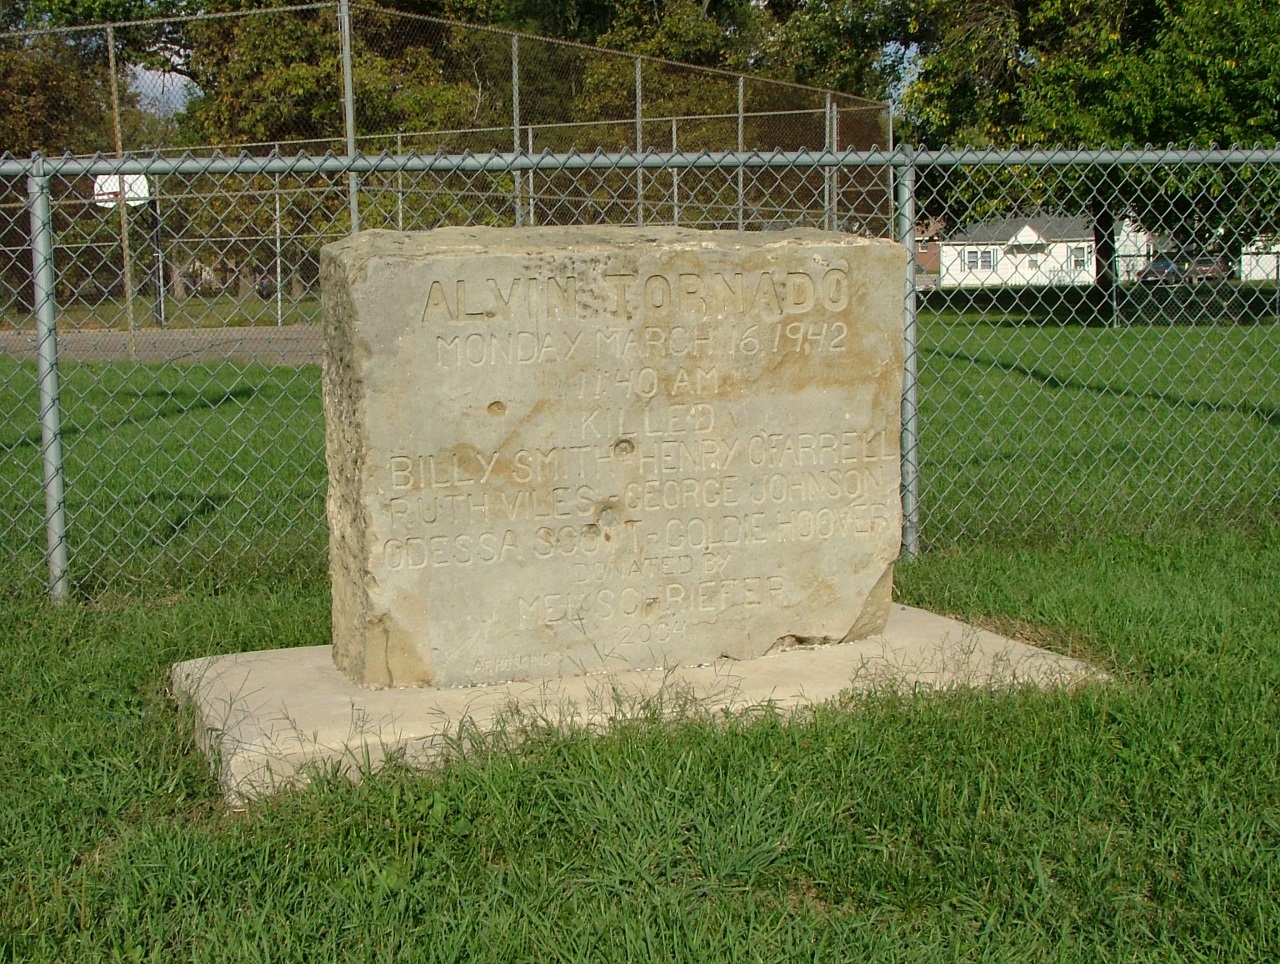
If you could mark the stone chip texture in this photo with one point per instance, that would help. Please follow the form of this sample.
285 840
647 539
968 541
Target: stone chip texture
555 451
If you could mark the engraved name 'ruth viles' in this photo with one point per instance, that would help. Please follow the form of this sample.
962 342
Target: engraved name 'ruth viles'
556 451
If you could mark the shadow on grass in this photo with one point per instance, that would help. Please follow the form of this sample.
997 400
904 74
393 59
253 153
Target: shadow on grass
173 404
1264 413
181 509
1093 306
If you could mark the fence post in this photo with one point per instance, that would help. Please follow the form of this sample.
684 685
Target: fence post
533 215
904 167
42 278
828 174
515 125
121 197
742 99
675 179
157 242
835 171
400 182
639 143
349 110
279 266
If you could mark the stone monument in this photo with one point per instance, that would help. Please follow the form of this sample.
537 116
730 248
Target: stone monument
560 450
654 452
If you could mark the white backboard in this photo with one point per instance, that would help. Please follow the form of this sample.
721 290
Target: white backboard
107 189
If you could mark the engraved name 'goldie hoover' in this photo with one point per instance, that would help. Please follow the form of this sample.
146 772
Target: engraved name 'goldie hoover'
618 451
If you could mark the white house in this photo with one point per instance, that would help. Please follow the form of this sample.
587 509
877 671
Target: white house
1041 250
1260 260
1135 248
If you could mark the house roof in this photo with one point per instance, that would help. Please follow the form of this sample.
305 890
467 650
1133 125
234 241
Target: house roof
1039 229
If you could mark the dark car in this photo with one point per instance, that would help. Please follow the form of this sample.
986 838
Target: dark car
1162 271
1208 269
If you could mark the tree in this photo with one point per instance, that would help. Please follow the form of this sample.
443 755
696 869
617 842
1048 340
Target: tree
855 46
725 36
1205 74
53 99
1010 73
1015 72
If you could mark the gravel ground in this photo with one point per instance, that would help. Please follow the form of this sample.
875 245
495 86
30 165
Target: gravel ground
291 345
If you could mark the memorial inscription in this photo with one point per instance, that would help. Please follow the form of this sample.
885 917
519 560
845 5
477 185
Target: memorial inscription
558 450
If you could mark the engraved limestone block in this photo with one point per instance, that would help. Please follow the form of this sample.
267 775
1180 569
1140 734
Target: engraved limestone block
560 450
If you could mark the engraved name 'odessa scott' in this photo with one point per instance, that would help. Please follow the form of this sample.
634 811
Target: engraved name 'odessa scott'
559 450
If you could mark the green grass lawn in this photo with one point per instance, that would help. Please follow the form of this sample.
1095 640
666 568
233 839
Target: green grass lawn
1110 494
1136 820
178 475
1028 432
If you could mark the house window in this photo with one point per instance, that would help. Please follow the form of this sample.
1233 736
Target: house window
988 260
1033 263
971 260
1078 259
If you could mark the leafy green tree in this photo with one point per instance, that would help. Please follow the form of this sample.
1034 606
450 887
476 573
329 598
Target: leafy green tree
1197 72
1016 72
265 78
52 98
724 36
277 78
1095 71
856 46
1005 73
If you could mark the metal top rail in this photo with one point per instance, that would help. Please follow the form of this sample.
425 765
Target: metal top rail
656 120
468 162
1170 155
68 166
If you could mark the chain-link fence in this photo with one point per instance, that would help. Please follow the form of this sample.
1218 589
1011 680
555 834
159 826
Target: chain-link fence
1098 341
183 287
1093 337
333 78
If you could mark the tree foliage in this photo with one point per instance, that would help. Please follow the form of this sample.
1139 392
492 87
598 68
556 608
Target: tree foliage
856 46
266 78
1094 72
997 72
52 99
1015 72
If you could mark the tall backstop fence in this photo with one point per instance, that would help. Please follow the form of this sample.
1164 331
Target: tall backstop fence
1092 337
340 78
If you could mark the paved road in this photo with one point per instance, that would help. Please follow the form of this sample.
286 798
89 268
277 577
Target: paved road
290 345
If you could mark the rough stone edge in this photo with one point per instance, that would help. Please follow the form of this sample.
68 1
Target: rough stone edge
345 358
258 742
463 240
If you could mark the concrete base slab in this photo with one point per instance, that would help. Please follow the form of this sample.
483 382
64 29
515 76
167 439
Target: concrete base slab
263 718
